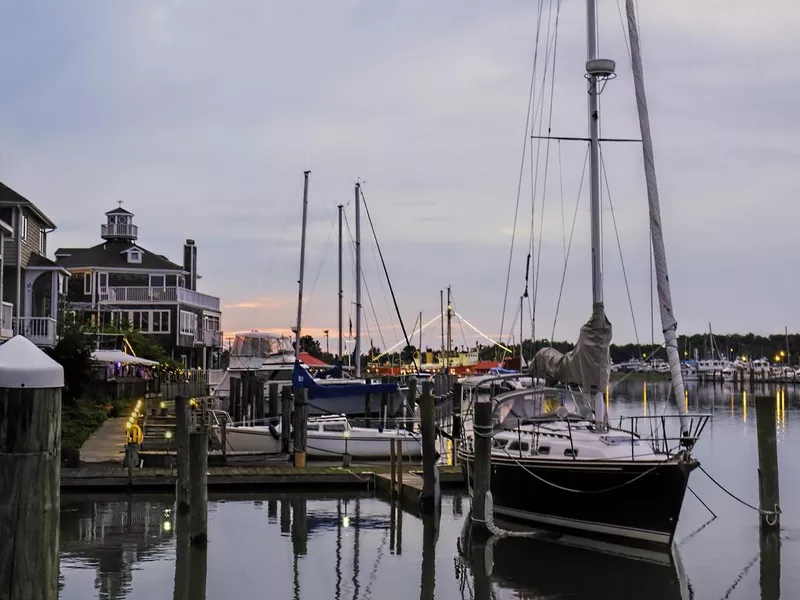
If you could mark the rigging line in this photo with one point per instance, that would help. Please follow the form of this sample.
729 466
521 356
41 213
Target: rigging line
386 272
569 246
625 33
372 306
547 159
460 324
276 250
385 300
322 261
522 164
619 244
563 223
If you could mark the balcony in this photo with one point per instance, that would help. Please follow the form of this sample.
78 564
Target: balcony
6 320
139 295
208 338
118 230
40 330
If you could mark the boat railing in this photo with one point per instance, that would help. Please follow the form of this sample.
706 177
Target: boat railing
659 431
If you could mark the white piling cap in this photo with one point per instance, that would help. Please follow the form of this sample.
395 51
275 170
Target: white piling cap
23 365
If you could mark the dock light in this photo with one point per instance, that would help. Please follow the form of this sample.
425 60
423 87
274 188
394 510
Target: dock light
133 414
192 402
167 526
128 425
345 521
163 405
168 435
783 353
130 419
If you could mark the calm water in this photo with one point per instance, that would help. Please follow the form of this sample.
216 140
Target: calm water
356 546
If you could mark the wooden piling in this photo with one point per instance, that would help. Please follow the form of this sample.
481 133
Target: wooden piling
223 438
768 488
198 482
392 469
274 406
182 417
260 401
482 467
368 404
131 460
286 419
300 430
299 527
30 463
411 397
430 497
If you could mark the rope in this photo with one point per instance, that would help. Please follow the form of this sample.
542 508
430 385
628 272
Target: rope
767 513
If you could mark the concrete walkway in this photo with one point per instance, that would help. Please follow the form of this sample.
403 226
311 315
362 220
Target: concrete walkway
107 444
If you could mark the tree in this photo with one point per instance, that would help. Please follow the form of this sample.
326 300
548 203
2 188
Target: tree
311 346
74 353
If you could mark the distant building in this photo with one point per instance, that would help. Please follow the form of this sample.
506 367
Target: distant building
118 282
32 286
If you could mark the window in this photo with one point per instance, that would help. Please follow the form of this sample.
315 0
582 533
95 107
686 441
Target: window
334 427
102 282
181 281
134 256
158 281
149 321
520 447
188 323
23 228
160 321
42 239
210 323
87 283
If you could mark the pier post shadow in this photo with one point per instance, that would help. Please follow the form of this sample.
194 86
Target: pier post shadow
430 534
770 564
477 549
191 564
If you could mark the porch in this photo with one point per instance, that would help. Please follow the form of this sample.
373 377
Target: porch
40 330
44 286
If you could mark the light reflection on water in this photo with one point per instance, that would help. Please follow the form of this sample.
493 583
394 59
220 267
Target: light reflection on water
356 546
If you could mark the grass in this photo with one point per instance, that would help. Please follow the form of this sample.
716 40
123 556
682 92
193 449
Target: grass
81 421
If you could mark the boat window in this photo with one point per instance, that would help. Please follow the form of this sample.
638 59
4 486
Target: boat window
544 449
515 445
499 443
573 452
310 427
334 427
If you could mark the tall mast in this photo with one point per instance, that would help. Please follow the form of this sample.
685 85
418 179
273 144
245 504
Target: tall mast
357 352
597 70
441 318
520 333
302 264
668 323
449 329
341 292
420 341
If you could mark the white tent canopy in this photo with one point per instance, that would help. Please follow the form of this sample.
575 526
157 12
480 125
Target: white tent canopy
117 356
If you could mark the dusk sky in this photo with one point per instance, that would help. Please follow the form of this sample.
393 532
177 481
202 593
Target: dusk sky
200 116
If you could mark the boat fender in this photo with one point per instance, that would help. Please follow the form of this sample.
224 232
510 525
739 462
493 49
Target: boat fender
273 432
380 427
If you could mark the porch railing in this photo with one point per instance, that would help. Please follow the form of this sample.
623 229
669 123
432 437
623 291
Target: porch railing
139 294
6 319
40 330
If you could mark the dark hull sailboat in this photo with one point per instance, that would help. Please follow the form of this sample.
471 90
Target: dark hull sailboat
635 501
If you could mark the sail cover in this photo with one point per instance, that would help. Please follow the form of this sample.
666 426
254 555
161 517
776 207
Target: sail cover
588 364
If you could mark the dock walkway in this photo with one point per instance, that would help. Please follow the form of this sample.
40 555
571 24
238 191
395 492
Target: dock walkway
107 444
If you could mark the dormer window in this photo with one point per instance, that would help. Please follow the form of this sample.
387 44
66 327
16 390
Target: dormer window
134 256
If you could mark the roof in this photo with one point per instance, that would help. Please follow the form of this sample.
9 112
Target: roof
486 365
312 361
119 211
109 255
37 260
10 197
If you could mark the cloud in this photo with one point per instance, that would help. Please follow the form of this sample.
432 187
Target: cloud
202 117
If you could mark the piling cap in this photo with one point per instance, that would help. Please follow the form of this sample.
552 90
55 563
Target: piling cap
23 365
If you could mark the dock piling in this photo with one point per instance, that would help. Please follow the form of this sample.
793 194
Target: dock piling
768 488
482 468
198 486
30 463
300 432
182 417
223 438
430 496
286 419
274 400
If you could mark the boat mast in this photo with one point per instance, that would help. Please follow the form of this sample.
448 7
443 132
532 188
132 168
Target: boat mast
441 317
668 323
302 265
596 70
357 351
420 342
521 359
341 292
449 329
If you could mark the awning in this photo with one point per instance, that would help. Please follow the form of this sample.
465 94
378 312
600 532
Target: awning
118 356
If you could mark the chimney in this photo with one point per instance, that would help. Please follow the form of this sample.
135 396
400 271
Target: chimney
190 264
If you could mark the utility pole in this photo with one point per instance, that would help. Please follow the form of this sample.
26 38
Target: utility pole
327 341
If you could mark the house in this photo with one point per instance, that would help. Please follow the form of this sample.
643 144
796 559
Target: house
120 283
32 286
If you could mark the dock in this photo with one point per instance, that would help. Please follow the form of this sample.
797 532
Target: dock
117 478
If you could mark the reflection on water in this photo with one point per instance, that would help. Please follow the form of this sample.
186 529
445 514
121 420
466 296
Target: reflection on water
355 546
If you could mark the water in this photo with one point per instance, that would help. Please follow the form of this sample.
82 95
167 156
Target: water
356 546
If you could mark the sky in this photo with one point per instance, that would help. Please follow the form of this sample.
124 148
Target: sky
201 116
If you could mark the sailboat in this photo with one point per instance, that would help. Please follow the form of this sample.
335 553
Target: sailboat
557 461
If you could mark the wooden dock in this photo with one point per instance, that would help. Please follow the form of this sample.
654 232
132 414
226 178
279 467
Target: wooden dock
111 478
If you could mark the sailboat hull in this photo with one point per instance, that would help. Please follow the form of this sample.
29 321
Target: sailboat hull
635 501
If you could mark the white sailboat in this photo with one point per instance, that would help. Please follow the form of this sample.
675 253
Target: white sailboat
556 459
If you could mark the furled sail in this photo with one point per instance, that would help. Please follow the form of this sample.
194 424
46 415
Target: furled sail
588 364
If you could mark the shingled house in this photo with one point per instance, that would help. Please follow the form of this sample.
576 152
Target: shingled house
119 282
32 286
